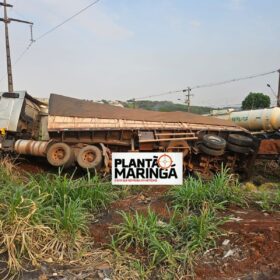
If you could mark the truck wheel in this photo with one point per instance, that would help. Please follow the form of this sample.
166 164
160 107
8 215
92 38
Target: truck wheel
240 140
214 142
211 152
60 154
89 157
238 149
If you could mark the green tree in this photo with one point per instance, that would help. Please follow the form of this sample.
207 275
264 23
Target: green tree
256 100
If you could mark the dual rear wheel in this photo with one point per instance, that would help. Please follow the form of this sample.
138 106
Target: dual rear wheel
62 155
214 145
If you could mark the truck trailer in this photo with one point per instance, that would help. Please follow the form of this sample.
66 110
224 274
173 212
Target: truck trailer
69 131
264 124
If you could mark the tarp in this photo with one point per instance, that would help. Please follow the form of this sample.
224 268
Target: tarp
71 107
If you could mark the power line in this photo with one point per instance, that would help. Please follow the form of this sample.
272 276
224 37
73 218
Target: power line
233 80
67 20
160 94
208 85
53 29
23 53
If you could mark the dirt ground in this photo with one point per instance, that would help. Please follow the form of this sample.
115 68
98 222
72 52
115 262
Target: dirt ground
249 251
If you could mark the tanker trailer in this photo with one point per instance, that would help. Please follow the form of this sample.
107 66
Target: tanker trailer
266 120
260 120
264 124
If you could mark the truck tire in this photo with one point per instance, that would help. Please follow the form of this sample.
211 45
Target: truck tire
60 154
214 142
90 157
238 149
211 152
240 140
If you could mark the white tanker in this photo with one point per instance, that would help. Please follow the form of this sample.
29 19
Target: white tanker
267 120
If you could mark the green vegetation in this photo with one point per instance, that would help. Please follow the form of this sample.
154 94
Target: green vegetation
218 193
165 106
47 216
193 225
268 200
168 243
256 101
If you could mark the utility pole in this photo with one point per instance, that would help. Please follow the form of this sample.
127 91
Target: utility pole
188 97
278 95
6 21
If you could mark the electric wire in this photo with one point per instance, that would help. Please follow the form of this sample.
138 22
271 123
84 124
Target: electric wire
23 53
234 80
208 85
67 20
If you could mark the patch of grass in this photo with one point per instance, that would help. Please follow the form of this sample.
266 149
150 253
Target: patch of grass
93 192
276 199
221 191
136 230
172 243
143 271
47 217
70 218
269 187
203 229
8 172
268 200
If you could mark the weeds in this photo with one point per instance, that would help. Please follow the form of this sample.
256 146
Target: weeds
170 243
193 225
203 230
218 193
47 217
136 230
268 201
8 171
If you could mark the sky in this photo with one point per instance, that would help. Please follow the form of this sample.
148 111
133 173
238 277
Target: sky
123 49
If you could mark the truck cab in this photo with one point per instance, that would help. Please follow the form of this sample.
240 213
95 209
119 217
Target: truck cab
20 118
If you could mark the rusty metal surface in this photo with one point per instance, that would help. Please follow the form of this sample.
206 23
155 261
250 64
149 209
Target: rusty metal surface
60 123
30 147
269 147
71 107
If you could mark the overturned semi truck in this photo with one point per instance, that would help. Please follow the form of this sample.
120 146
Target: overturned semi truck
70 131
263 124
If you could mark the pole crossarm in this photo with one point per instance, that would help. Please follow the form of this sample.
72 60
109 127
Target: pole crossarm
19 20
6 21
6 5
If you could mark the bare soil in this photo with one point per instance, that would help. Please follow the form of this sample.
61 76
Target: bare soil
253 238
249 251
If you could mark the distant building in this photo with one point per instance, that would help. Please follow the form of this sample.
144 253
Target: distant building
217 112
113 102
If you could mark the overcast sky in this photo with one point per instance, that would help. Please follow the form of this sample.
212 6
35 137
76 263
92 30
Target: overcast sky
122 49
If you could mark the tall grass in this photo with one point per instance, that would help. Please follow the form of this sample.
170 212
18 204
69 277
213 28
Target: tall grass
221 191
167 243
193 226
47 215
268 200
